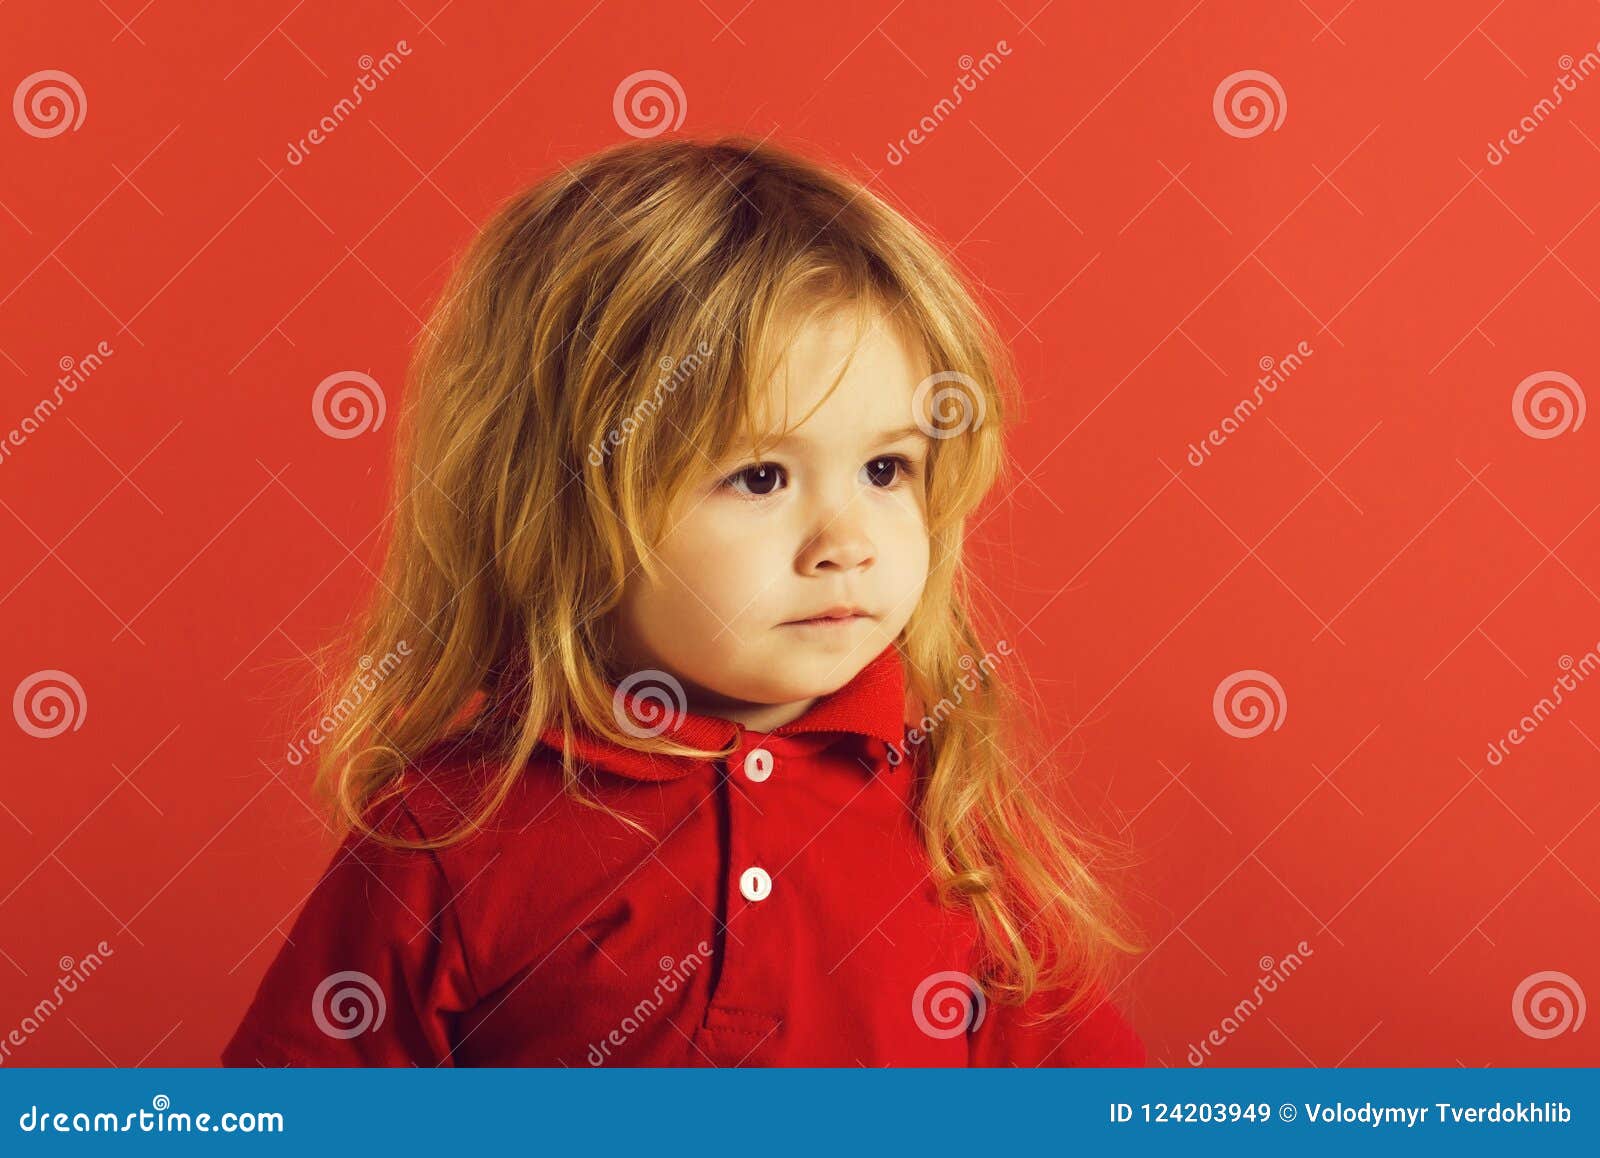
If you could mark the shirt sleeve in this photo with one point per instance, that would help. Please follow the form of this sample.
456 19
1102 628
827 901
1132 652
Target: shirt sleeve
1095 1034
373 972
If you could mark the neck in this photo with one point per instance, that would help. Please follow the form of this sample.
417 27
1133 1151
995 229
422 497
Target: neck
755 717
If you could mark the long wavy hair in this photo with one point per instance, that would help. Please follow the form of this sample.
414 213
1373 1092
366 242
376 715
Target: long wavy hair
518 512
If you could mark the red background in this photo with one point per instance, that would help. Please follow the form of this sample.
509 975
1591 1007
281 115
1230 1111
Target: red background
1381 536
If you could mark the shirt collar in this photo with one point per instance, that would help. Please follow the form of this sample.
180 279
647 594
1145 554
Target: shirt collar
869 709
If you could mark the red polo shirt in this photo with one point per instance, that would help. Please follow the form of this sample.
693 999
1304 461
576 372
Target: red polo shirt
787 918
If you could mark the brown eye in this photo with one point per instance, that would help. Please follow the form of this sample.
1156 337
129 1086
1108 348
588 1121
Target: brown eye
758 481
885 472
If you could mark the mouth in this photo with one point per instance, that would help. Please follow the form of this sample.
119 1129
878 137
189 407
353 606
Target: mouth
834 617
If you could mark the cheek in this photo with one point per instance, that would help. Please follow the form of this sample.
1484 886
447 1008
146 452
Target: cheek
720 572
908 534
917 570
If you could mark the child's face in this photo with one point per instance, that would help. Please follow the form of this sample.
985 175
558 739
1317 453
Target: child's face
830 518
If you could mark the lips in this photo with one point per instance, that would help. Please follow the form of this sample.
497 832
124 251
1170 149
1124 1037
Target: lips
838 614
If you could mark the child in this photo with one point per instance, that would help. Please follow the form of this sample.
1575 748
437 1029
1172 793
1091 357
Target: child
692 440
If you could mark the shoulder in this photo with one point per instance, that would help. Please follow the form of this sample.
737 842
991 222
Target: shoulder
476 811
450 786
521 861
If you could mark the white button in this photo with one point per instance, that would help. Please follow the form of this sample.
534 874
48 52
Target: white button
758 765
755 884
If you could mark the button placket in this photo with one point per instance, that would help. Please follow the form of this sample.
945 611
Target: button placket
755 883
746 1007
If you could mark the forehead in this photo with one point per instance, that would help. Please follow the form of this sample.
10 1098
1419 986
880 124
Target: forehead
876 365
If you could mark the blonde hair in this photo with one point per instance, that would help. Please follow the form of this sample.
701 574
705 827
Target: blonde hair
519 509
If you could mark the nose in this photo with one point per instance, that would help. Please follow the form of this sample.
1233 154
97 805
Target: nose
840 543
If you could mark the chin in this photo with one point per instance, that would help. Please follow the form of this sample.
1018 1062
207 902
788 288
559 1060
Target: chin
770 695
829 676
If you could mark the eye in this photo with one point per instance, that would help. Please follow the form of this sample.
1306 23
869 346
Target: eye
756 481
889 471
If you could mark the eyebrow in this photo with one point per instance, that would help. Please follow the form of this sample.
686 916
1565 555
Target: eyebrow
883 436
